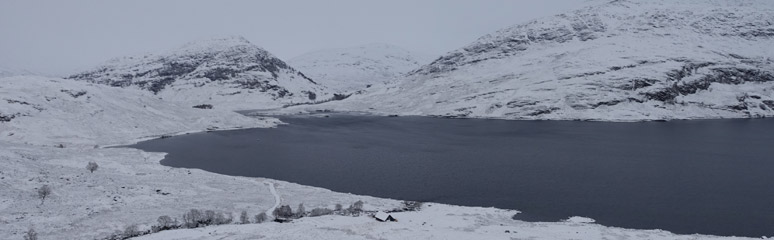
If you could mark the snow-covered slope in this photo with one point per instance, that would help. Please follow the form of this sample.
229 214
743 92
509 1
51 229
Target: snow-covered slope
10 72
436 221
228 72
53 111
355 68
612 60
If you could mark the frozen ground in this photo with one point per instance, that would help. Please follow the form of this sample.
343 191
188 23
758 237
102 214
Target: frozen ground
435 221
131 187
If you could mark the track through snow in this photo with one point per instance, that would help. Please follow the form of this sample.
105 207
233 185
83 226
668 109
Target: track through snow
277 199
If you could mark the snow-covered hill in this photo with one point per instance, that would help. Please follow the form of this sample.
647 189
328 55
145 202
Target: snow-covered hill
355 68
51 111
229 73
10 72
612 60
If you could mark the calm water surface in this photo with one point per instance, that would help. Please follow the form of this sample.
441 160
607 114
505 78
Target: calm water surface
708 176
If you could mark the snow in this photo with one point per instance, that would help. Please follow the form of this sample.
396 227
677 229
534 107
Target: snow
131 187
228 72
535 70
436 221
355 68
586 64
6 71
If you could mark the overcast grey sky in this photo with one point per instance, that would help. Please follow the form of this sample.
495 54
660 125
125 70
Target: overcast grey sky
62 37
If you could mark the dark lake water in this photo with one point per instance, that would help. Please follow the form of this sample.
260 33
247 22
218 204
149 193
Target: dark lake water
706 176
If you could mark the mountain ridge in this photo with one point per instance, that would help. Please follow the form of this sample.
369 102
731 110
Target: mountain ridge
623 60
222 70
355 68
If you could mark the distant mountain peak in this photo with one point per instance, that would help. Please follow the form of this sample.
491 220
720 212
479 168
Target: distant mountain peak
610 60
229 65
358 67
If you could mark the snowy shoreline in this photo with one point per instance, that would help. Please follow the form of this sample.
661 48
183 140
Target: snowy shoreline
132 187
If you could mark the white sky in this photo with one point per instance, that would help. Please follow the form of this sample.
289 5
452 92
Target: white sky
62 37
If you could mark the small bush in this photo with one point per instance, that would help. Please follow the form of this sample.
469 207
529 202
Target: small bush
31 235
193 218
338 207
221 219
209 217
203 106
356 207
131 231
44 192
320 212
412 206
92 166
261 217
300 211
283 212
243 219
165 223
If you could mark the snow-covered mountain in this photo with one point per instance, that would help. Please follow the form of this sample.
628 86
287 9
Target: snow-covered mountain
227 72
611 60
10 72
355 68
55 111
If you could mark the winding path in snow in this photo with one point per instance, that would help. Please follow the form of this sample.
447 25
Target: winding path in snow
277 199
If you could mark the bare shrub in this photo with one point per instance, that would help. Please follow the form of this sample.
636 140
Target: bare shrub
209 217
31 235
412 206
320 212
283 212
261 217
221 219
356 207
131 231
338 207
300 211
165 223
193 218
92 166
243 219
44 192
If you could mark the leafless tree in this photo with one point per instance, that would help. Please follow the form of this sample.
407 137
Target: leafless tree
283 212
44 192
92 166
243 218
131 231
166 222
31 235
300 211
261 217
356 207
193 218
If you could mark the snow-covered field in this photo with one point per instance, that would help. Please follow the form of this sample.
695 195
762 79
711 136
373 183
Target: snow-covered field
131 187
615 60
435 221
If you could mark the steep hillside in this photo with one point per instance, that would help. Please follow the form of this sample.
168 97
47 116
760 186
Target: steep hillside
356 68
55 111
229 73
612 60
